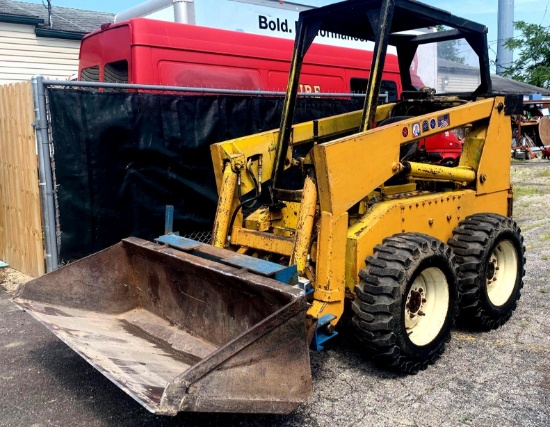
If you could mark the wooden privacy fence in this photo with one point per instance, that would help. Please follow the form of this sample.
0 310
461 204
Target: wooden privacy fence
21 243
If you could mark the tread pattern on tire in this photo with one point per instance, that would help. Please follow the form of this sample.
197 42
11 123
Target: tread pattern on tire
379 304
472 242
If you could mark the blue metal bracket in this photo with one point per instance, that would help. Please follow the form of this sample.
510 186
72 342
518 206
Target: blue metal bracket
285 274
179 242
321 335
305 285
169 219
265 268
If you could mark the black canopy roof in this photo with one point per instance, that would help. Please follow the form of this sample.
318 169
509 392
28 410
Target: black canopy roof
352 18
367 19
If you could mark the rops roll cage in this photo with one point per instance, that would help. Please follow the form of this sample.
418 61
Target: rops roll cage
383 22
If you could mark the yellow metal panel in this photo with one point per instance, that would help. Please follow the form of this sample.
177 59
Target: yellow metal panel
349 168
434 214
217 153
490 203
289 216
259 220
494 167
368 232
305 226
224 208
334 125
383 112
473 147
329 287
262 241
304 132
331 246
263 144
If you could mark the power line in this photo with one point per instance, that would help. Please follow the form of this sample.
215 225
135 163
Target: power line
545 10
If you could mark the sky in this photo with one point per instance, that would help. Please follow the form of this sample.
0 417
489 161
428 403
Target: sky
482 11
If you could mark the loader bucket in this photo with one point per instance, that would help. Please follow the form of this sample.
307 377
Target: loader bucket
178 331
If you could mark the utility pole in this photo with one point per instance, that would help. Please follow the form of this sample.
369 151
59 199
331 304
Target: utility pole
505 32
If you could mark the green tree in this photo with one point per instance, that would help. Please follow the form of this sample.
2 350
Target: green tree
449 49
533 62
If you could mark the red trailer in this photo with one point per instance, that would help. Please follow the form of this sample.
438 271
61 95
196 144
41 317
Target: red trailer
145 51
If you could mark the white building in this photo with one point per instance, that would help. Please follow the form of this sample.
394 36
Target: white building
30 46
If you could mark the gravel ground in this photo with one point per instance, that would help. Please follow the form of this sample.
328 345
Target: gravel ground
498 378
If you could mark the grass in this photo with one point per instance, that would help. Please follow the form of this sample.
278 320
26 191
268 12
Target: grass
531 226
544 257
535 246
543 290
545 237
526 191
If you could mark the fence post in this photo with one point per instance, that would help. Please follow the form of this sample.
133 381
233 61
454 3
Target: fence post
45 173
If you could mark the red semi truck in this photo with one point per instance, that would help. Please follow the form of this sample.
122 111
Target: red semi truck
150 52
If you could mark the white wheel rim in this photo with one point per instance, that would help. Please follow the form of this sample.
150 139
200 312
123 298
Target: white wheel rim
501 273
426 306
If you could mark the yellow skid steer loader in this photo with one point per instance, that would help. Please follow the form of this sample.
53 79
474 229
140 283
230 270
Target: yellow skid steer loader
340 215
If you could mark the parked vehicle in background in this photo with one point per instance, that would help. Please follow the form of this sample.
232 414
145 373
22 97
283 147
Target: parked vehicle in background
443 149
146 51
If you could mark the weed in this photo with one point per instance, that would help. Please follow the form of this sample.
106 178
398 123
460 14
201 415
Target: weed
531 226
544 257
543 172
543 290
526 191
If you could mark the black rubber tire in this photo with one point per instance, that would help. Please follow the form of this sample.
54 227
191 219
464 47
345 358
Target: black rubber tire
379 309
473 242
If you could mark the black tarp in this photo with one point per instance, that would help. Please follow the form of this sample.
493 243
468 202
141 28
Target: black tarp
121 157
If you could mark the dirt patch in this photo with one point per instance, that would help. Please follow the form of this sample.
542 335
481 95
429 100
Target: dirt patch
10 279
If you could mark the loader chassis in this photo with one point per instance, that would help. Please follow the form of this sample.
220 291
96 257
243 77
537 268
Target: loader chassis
339 211
361 187
347 174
